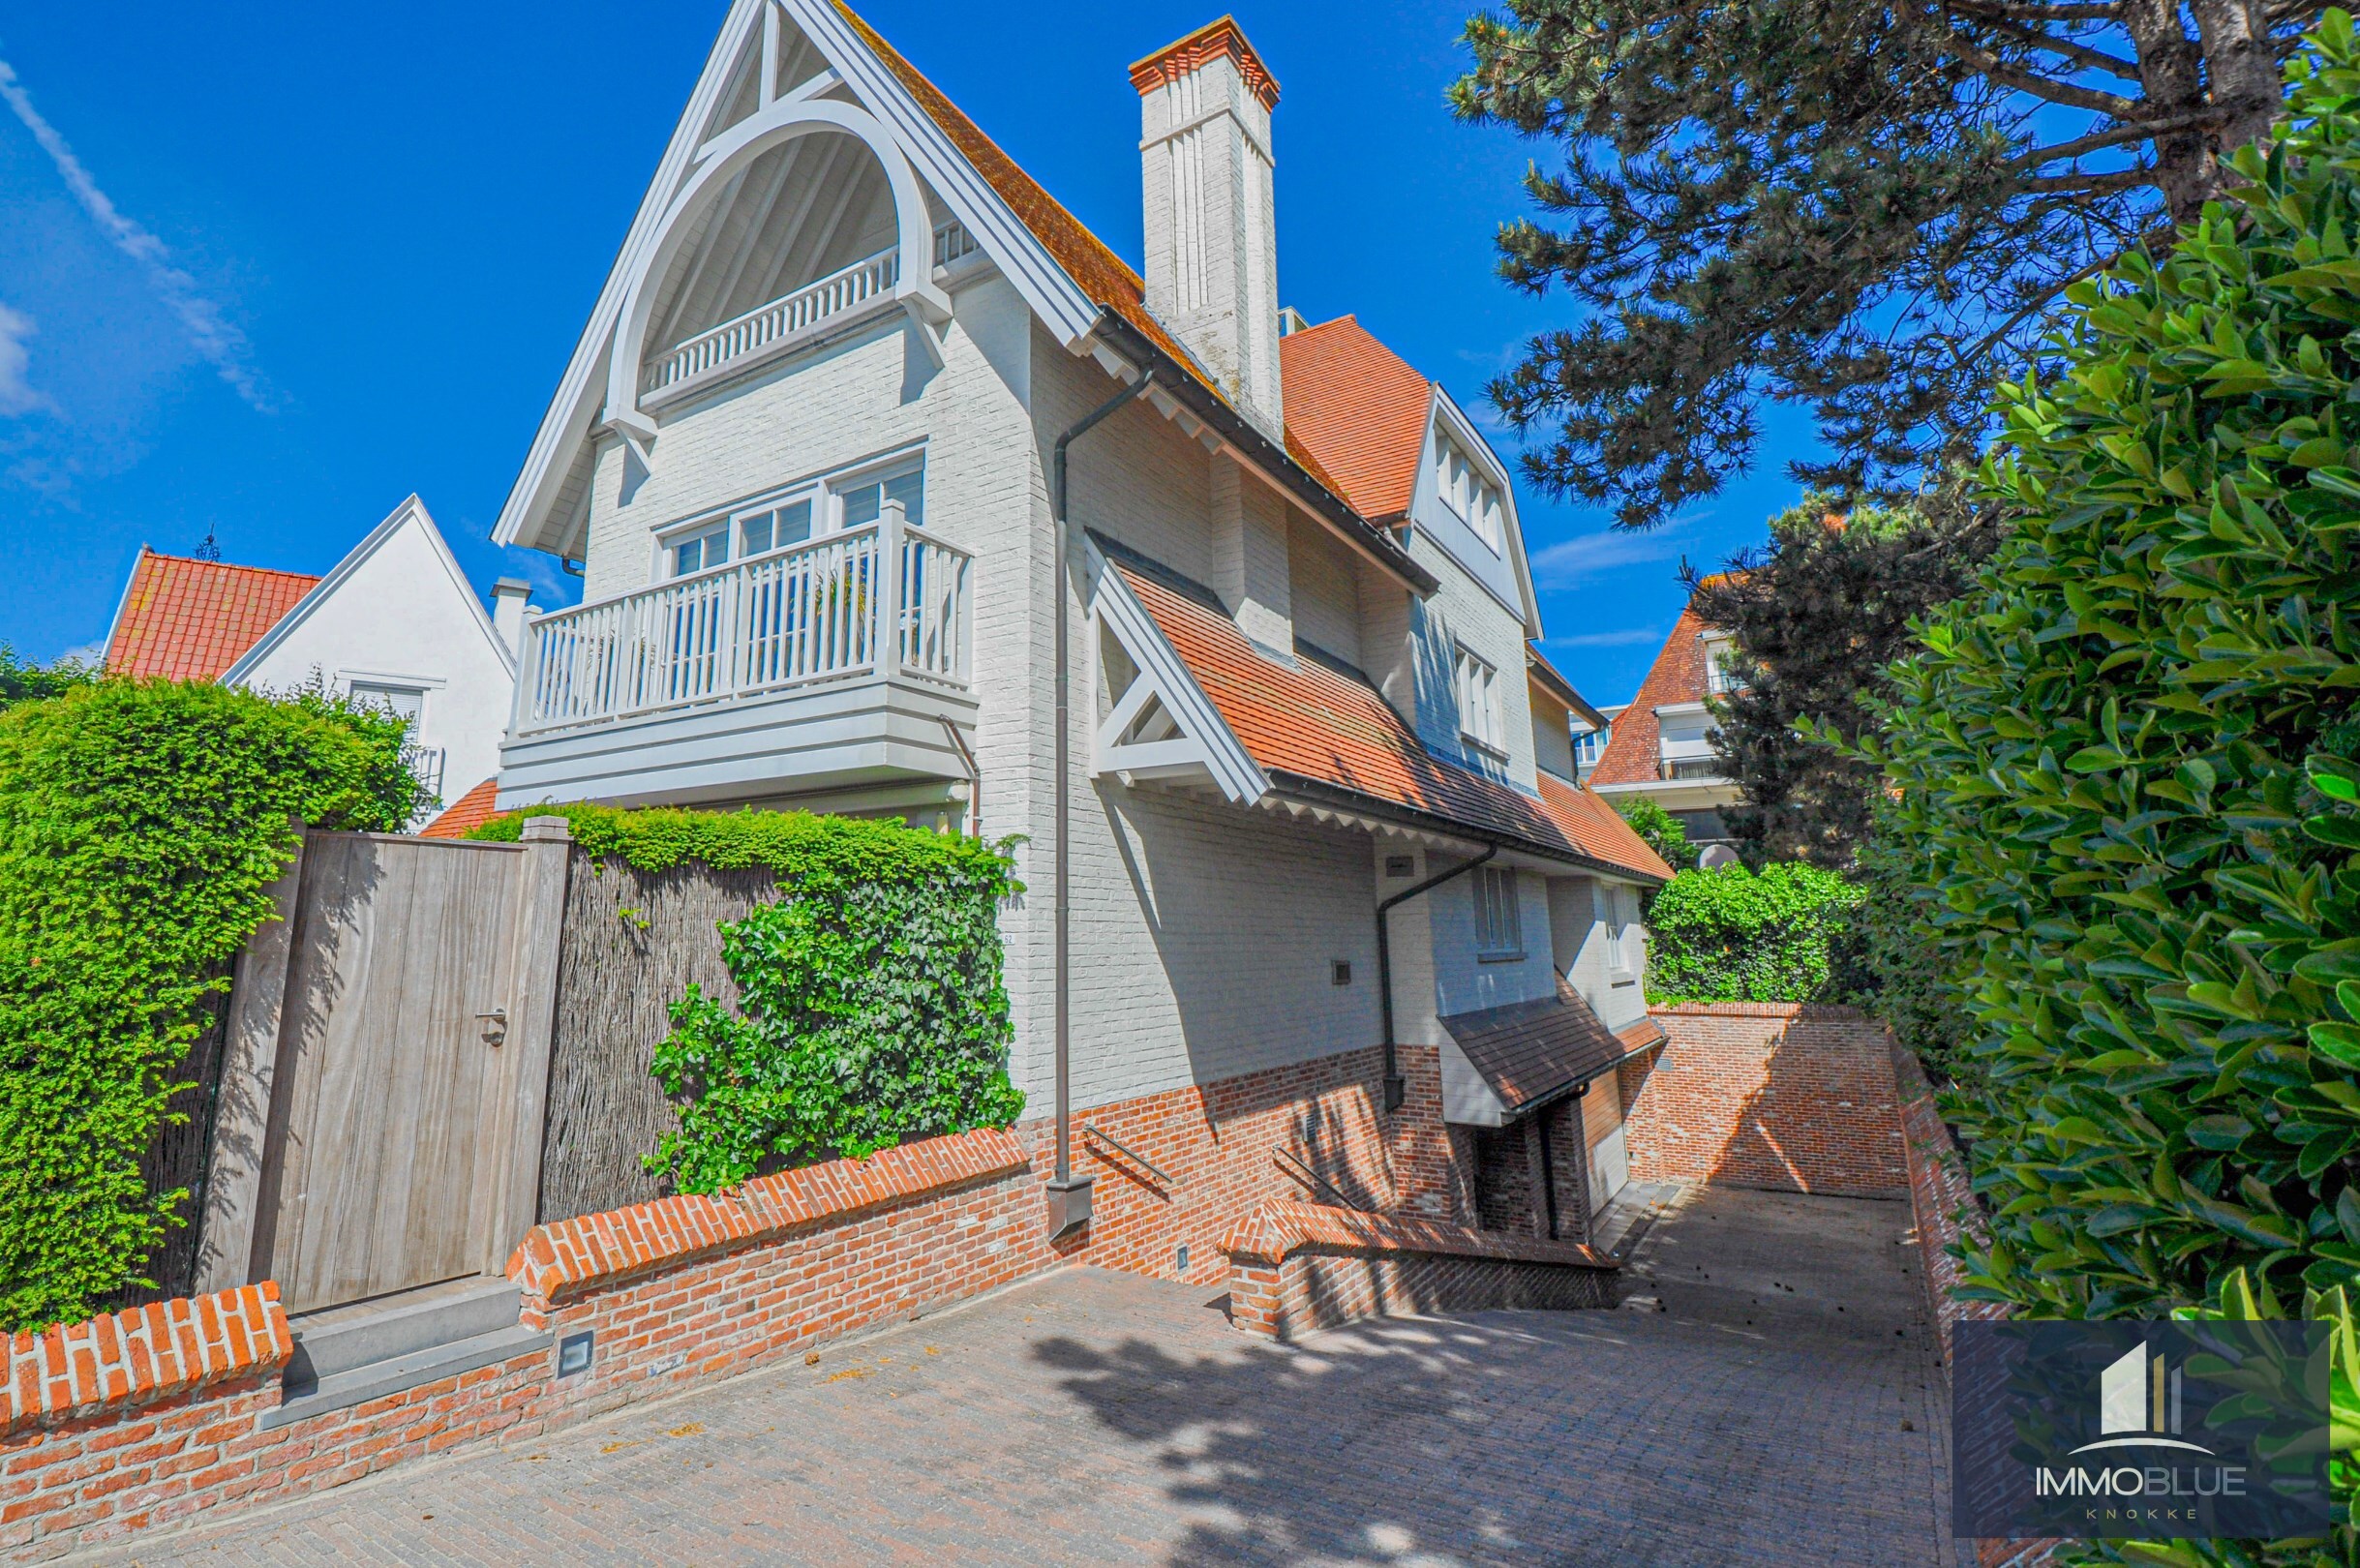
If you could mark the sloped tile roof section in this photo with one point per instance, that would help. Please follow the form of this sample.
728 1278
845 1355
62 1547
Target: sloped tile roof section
471 810
1318 730
1677 677
185 619
1532 1051
1359 409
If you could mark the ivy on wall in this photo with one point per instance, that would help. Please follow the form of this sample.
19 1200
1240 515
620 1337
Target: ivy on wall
140 826
1737 935
872 1006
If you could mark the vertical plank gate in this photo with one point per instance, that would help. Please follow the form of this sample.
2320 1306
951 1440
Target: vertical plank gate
388 1068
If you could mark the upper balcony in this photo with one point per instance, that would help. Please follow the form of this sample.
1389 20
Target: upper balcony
839 663
819 310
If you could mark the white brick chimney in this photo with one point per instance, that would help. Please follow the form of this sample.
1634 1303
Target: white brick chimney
1212 242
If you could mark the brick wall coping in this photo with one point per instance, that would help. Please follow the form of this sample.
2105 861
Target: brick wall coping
1726 1010
146 1354
1281 1227
571 1256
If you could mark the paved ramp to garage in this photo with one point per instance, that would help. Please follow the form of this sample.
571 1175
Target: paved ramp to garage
1783 1408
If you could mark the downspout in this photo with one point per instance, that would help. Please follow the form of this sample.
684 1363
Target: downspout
1397 1088
1069 1195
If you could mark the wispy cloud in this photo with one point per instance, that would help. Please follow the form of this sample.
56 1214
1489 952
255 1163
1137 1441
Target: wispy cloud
1625 638
18 394
1572 562
214 335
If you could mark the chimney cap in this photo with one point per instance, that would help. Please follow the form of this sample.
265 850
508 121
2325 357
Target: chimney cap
507 586
1200 48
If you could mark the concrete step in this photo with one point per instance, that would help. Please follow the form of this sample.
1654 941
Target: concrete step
368 1349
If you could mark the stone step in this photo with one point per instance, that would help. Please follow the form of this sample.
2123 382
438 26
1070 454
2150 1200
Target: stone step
367 1349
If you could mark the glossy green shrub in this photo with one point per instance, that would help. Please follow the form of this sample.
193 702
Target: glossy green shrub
872 1004
141 823
1736 935
1661 832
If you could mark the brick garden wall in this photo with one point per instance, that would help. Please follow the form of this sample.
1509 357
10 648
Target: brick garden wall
1782 1096
134 1422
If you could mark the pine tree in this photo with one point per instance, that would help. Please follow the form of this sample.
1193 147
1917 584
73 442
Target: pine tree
1814 621
1864 209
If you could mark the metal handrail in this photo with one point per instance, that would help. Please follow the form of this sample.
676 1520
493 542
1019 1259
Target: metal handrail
1130 1154
1294 1166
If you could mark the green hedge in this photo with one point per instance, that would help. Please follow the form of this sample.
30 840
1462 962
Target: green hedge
139 825
872 1001
1736 935
2101 759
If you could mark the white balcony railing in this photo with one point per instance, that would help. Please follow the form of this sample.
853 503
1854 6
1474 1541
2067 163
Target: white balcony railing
795 314
799 618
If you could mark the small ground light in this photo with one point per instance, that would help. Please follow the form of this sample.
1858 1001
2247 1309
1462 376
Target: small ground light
1339 972
1180 1262
574 1353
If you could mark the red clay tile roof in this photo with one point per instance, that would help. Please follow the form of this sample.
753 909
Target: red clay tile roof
1359 409
1537 1049
185 619
1677 675
1319 725
469 810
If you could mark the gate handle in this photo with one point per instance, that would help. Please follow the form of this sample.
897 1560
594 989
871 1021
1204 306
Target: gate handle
496 1025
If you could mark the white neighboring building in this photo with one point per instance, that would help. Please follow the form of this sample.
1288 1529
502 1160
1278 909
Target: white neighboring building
875 460
395 621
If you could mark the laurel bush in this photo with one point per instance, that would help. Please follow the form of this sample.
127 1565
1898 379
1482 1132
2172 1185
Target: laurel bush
141 823
1737 935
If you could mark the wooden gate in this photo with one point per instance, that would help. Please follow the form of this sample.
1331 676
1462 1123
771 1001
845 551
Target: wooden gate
388 1068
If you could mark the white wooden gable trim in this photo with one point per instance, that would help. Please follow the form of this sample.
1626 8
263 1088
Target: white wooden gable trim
1162 725
410 510
1446 410
1054 295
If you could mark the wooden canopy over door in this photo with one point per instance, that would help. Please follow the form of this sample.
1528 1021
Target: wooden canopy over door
403 1138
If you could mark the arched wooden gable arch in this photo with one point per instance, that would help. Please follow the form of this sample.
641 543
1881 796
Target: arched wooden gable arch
720 160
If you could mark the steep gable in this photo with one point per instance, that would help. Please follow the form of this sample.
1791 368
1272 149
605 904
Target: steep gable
1360 410
1677 675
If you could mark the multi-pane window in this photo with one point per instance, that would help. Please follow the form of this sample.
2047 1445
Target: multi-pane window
863 500
1499 928
701 551
774 526
1719 682
1467 491
1590 745
1480 719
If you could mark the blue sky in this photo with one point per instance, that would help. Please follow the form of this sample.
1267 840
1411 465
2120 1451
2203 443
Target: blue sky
273 268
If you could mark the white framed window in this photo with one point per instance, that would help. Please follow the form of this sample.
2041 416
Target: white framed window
1622 914
698 550
1481 722
1465 490
1499 924
406 703
862 498
1719 682
773 526
1590 745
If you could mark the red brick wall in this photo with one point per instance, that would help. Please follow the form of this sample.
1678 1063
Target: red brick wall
676 1292
1215 1143
1295 1267
1792 1098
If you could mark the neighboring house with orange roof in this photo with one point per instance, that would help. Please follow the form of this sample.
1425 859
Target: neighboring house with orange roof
395 622
1660 745
875 462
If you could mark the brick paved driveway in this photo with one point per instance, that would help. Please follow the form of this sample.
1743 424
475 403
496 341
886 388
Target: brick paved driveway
1782 1409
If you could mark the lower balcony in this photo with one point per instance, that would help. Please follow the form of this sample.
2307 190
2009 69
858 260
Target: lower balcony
840 664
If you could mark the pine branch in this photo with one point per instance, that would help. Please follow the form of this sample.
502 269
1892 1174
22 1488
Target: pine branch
2082 54
2118 136
2032 10
1990 66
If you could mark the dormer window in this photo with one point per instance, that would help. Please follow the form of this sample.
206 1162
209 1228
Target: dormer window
1719 682
1590 745
1465 490
1481 723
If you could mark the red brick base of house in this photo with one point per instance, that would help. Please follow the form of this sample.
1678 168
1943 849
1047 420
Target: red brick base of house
1789 1097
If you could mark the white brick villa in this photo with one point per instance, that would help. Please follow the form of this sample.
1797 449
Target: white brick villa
876 462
